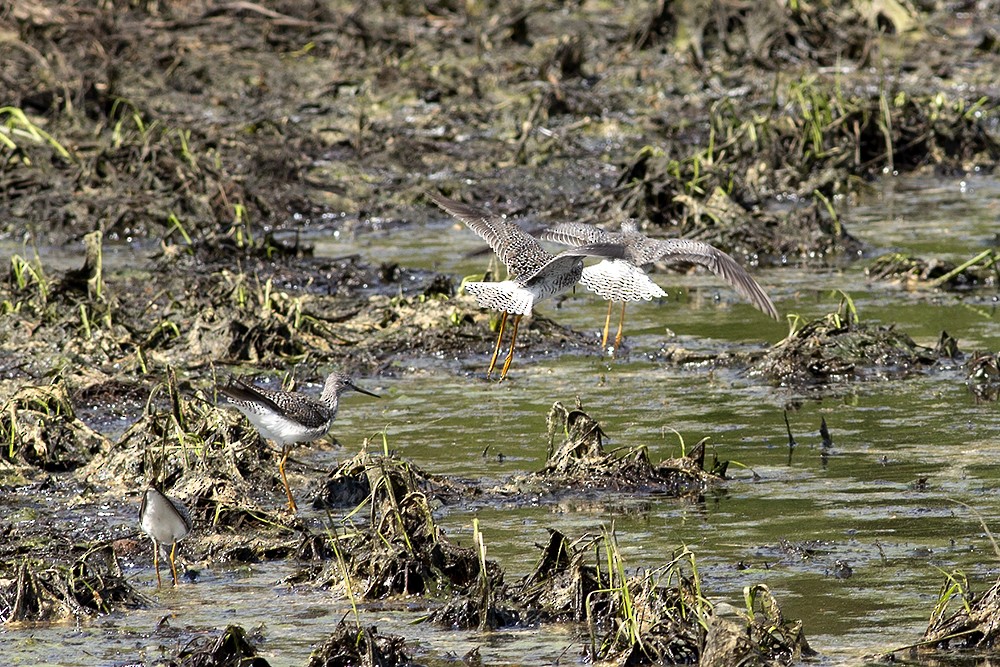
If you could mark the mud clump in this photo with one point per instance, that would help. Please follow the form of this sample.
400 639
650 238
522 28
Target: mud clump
759 635
839 348
93 584
657 616
356 646
350 484
231 648
972 626
41 431
401 550
406 552
581 463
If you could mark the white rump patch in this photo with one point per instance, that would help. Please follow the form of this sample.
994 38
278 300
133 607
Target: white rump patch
506 296
617 280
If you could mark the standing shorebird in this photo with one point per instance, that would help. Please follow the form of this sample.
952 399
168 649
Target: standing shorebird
287 417
535 274
167 522
625 280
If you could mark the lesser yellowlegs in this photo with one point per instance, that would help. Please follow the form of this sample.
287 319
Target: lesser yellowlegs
624 279
167 522
287 417
535 274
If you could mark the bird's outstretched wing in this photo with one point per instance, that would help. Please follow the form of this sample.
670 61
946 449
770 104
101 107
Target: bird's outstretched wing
710 257
520 252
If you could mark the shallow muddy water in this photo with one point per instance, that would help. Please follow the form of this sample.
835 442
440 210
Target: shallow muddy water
882 503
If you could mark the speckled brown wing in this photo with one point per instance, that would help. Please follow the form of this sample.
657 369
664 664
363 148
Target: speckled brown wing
520 252
708 256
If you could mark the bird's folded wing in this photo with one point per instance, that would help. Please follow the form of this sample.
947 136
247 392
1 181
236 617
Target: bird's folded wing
238 390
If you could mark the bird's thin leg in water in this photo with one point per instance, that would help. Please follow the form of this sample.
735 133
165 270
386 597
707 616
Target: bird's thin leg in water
496 349
284 480
156 562
173 565
510 353
607 323
621 323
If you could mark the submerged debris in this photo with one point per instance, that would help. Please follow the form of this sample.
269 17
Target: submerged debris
983 375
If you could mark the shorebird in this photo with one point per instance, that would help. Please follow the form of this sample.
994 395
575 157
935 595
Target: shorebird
625 280
167 522
287 417
535 274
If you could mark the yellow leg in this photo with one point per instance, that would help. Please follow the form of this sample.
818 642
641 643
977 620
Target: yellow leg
510 353
607 323
156 562
496 349
621 323
284 480
173 563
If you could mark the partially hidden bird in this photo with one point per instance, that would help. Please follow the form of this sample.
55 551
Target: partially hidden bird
624 279
286 417
167 522
534 273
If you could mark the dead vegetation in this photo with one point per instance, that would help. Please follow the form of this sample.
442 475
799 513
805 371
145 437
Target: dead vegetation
229 648
580 463
360 647
93 583
916 273
968 630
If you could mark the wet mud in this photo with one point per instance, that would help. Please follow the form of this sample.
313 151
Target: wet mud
212 141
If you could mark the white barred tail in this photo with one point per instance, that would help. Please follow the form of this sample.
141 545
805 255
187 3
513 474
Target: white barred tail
618 280
505 296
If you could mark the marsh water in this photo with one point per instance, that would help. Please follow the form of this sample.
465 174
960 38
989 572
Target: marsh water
854 539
